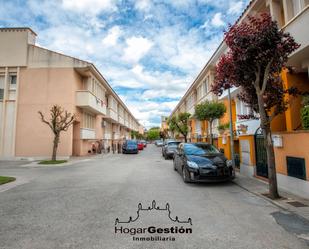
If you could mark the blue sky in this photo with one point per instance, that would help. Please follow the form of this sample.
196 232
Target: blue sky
149 51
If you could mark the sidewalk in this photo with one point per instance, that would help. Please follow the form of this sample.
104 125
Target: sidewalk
288 202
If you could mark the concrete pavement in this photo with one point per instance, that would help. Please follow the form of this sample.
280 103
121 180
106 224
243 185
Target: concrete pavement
75 206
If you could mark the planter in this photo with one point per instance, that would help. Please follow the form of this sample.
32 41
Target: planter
221 131
243 129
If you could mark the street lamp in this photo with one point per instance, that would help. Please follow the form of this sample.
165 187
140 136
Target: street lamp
231 129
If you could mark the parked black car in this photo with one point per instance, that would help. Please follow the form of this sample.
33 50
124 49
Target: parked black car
169 149
202 162
130 147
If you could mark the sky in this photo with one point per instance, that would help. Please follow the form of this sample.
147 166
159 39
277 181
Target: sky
149 51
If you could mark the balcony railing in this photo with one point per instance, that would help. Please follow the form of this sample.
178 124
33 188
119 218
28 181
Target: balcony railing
121 120
111 114
86 133
88 101
116 136
298 28
107 136
126 123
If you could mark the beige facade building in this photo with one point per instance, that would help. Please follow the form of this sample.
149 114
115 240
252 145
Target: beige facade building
33 79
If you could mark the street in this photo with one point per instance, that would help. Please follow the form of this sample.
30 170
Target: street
76 206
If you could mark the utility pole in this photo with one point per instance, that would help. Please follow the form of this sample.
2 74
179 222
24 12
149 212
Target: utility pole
231 129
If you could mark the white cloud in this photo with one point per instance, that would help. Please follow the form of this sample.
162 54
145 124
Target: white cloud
112 37
137 47
68 40
205 25
180 3
145 111
116 42
217 20
143 5
235 7
90 6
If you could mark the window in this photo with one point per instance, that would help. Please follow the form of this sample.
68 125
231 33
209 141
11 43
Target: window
200 92
1 87
13 81
242 108
205 85
88 121
296 7
190 100
296 167
95 88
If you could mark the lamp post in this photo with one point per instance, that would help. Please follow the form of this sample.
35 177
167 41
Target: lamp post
231 129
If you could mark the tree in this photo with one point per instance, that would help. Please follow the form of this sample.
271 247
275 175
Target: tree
136 135
179 123
258 51
209 111
153 133
163 134
60 120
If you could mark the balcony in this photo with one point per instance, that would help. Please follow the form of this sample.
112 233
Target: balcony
89 102
107 136
126 123
87 133
121 120
298 28
116 136
112 115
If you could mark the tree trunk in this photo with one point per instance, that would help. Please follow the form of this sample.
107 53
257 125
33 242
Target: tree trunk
55 147
265 125
186 140
210 130
272 177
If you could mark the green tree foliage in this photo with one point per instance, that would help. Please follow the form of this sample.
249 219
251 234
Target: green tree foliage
153 133
305 117
179 123
136 135
209 111
305 112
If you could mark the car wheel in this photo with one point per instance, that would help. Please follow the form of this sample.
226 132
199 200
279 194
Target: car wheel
185 175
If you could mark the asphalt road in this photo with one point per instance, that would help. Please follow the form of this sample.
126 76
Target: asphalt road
76 207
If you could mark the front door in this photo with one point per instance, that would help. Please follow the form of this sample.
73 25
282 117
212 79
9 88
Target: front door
260 154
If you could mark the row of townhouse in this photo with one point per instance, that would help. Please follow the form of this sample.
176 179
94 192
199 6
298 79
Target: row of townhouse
33 79
290 141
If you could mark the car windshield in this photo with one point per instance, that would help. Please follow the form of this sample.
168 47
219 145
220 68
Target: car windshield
199 149
173 144
131 142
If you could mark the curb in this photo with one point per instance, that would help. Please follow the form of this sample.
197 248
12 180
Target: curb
273 202
37 165
263 197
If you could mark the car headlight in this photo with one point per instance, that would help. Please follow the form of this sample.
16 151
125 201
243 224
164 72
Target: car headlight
192 165
229 163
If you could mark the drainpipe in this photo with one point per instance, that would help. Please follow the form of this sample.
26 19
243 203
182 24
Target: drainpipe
231 129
